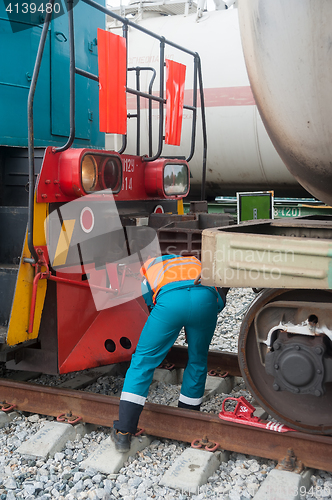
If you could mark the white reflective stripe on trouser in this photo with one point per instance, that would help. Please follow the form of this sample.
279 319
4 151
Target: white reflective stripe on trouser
133 398
190 401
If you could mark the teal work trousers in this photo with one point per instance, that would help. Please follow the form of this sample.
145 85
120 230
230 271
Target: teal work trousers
193 307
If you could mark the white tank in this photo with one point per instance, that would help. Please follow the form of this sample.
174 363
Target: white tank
240 155
288 50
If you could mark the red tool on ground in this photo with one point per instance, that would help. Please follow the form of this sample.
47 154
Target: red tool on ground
244 414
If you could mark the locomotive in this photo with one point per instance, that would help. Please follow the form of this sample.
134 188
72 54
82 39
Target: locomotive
70 299
285 342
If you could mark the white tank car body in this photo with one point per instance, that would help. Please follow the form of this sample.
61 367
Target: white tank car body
240 155
288 49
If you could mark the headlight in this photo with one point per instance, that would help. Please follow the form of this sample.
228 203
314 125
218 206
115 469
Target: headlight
81 172
176 179
89 173
167 178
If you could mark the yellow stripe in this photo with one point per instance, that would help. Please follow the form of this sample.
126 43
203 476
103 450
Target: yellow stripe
64 242
180 207
40 214
20 313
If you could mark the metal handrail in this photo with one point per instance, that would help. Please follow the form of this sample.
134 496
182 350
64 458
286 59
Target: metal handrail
73 70
31 149
150 97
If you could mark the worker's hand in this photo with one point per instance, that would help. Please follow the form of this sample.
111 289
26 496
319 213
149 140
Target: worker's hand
198 279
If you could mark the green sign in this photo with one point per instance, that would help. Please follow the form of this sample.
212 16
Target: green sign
256 205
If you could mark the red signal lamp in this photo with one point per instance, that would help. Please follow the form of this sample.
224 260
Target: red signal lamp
167 178
85 171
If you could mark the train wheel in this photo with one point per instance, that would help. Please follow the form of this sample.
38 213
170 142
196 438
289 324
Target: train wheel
296 388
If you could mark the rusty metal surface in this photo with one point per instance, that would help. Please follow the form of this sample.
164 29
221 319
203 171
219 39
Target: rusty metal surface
182 234
290 463
226 361
171 423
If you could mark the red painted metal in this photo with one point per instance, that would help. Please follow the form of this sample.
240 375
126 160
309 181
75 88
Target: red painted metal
84 332
112 82
87 219
70 170
60 177
144 180
218 373
42 262
154 177
48 185
79 283
6 406
159 209
68 418
244 414
47 275
175 79
205 443
112 273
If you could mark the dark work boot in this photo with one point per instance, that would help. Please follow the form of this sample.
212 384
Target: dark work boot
121 440
189 407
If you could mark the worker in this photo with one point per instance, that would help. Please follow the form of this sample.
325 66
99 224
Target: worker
176 299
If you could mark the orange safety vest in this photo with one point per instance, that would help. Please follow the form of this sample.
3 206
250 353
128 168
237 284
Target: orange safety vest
164 272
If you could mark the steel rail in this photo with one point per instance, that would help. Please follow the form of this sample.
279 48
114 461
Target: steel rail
227 361
171 423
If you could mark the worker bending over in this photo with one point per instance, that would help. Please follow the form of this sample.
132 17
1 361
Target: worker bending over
177 300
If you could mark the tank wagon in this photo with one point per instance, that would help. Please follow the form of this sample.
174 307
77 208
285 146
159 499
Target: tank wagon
285 342
241 155
82 214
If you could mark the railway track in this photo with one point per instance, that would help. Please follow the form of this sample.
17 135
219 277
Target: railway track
172 423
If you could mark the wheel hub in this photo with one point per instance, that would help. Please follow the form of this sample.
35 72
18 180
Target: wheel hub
297 364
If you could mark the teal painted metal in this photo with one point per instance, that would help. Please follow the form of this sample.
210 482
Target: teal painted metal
51 107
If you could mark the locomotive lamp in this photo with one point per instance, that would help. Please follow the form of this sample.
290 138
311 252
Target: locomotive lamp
83 171
101 172
111 171
80 172
89 173
166 178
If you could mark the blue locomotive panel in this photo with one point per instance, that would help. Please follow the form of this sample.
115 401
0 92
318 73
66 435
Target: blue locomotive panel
51 105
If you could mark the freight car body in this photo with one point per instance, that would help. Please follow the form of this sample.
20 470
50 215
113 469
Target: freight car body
286 337
241 155
71 299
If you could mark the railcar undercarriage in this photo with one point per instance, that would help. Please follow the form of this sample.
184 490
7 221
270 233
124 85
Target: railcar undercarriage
285 342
